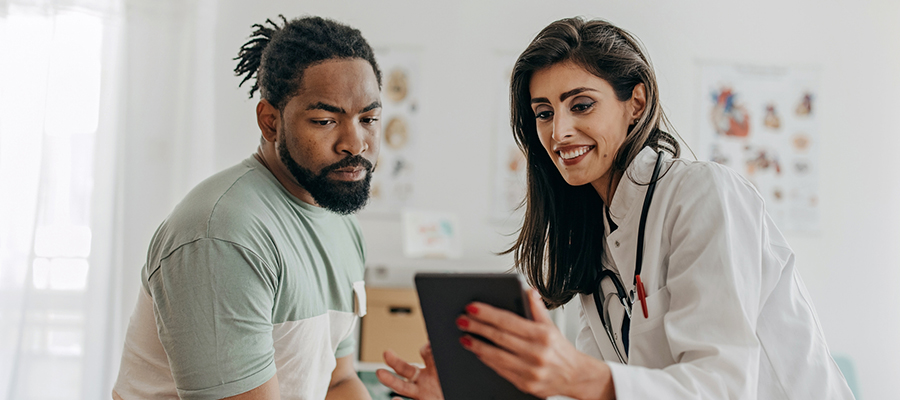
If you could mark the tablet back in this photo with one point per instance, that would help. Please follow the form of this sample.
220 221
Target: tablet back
443 297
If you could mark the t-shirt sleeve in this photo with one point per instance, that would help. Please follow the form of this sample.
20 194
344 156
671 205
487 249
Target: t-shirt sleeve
213 304
345 348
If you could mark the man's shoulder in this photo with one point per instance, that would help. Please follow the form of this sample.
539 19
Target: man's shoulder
228 205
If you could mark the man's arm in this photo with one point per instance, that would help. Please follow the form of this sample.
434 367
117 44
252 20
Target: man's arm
345 384
266 391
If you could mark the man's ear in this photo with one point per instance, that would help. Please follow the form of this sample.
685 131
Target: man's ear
638 100
268 119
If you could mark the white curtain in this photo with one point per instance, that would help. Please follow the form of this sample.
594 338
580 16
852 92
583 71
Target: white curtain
105 122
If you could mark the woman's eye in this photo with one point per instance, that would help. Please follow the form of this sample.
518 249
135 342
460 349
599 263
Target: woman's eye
583 106
543 115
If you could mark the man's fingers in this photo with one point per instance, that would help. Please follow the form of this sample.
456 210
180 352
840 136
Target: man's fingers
396 384
428 356
399 365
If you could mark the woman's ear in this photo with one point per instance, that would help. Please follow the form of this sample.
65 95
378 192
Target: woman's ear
267 118
638 101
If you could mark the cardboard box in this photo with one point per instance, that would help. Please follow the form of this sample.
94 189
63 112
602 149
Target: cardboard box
393 321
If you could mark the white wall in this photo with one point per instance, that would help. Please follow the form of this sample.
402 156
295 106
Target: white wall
850 266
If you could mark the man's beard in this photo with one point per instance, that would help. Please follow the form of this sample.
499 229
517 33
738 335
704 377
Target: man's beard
342 197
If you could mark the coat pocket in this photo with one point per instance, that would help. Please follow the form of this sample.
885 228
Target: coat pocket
648 339
657 307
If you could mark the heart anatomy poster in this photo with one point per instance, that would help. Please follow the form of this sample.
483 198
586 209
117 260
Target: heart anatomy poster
762 123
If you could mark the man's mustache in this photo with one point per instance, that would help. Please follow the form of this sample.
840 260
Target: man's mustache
351 161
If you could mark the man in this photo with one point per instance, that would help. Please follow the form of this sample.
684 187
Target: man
253 284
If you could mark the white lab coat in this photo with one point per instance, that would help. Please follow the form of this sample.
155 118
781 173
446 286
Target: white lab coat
729 316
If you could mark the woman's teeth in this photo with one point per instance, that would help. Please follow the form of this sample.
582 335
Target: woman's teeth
568 155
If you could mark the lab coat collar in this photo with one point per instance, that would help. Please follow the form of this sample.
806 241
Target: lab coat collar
629 196
625 212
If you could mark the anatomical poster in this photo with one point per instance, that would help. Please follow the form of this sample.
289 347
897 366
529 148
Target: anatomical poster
393 180
762 122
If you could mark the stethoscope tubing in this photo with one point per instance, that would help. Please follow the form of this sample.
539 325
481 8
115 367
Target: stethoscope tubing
626 299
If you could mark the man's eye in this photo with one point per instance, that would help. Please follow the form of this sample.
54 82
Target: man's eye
544 115
369 120
324 122
582 106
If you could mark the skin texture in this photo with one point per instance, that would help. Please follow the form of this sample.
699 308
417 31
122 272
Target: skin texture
336 114
424 386
576 112
345 384
575 109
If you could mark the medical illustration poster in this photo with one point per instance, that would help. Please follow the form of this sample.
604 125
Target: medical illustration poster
430 234
508 188
762 123
393 180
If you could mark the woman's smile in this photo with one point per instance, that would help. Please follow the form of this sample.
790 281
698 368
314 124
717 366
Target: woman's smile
571 155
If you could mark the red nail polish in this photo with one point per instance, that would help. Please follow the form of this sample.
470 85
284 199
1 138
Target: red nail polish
462 322
466 342
471 309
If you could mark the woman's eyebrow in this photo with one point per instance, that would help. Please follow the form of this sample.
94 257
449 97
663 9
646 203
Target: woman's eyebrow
575 91
563 96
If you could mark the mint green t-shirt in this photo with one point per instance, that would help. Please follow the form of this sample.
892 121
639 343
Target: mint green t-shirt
244 280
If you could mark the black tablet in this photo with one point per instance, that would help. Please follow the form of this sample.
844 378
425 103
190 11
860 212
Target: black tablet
443 297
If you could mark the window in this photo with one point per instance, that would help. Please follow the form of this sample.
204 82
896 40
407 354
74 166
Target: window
49 112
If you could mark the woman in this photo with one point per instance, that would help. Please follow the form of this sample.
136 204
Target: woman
719 310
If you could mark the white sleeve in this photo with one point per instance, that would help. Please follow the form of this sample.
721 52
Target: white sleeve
714 280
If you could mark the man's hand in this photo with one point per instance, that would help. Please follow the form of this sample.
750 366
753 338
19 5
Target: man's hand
418 383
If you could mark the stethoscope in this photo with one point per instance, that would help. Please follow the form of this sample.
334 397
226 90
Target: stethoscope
627 299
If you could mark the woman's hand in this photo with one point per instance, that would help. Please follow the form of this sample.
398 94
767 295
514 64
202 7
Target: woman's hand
533 355
419 383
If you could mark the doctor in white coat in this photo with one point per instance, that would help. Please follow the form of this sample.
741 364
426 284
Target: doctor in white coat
717 311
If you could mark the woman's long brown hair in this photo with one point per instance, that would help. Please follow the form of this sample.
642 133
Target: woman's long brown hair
559 247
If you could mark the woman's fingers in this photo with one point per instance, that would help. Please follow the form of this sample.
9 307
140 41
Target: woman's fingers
508 329
499 318
539 311
506 339
507 365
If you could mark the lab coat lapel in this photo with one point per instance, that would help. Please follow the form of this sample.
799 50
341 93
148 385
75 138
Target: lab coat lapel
626 213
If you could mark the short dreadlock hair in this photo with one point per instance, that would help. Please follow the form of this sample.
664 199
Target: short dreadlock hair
277 56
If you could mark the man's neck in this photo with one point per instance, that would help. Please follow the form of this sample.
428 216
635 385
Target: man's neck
268 157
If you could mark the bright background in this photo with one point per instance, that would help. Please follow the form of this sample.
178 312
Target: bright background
170 114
